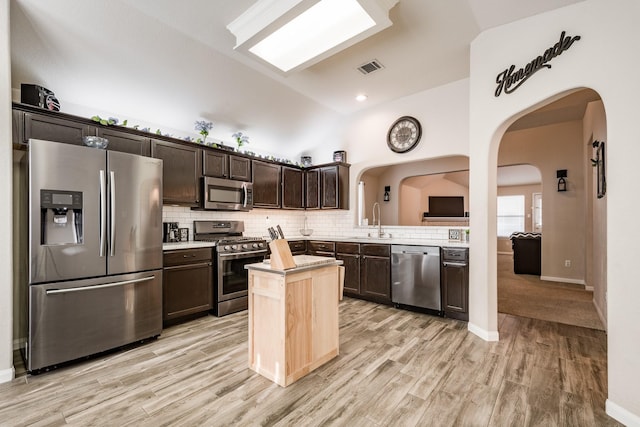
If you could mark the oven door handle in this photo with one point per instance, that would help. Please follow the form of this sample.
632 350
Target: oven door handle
237 255
187 266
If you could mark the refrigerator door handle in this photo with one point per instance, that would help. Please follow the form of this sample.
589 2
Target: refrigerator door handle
91 288
112 187
103 213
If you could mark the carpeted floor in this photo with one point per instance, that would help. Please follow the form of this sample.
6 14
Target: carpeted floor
528 296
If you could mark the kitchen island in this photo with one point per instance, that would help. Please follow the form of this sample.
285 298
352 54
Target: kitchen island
293 317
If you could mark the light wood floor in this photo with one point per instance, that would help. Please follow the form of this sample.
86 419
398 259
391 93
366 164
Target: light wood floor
395 368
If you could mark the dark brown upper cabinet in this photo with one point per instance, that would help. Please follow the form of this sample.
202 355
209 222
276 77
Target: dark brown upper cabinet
266 184
215 164
334 187
312 188
181 172
125 142
239 168
222 165
292 188
40 126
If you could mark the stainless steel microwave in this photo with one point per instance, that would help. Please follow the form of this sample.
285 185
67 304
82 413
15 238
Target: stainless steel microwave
227 195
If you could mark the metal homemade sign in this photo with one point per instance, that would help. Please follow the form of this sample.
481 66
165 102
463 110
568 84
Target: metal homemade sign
509 80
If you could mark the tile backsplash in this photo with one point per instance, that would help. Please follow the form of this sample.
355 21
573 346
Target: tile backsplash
329 223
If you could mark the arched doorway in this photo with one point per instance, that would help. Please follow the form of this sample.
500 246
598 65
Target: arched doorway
564 286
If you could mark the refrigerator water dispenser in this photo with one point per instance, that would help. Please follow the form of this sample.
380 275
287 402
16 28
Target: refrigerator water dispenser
61 213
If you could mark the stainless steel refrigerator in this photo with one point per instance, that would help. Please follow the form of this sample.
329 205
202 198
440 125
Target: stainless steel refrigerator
95 251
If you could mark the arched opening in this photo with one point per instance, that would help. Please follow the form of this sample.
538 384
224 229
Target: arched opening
556 273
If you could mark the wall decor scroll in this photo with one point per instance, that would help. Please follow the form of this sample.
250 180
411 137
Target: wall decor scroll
599 164
511 79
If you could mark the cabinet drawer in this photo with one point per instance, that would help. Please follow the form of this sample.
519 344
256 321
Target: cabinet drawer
347 248
375 249
187 256
298 245
315 246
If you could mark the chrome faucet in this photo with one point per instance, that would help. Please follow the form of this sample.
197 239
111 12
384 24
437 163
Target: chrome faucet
377 205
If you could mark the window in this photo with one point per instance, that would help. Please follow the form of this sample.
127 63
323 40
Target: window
510 215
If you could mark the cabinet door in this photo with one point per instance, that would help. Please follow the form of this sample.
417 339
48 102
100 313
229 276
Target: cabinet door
239 168
455 280
334 187
351 263
266 185
292 188
53 129
329 187
186 290
375 279
181 172
312 189
125 142
214 164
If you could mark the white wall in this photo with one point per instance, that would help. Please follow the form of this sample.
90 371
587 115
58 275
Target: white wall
443 113
595 128
606 60
6 159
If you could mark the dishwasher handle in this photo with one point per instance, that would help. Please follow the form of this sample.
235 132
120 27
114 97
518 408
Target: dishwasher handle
454 264
417 253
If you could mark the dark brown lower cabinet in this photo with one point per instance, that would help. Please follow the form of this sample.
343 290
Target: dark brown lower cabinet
375 272
455 289
349 254
187 283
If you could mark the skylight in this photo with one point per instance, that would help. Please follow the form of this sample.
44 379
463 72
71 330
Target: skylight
294 34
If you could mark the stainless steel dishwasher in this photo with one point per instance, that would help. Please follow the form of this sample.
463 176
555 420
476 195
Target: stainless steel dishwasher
415 277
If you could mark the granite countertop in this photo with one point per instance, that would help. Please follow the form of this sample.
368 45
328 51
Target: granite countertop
355 239
303 263
386 240
186 245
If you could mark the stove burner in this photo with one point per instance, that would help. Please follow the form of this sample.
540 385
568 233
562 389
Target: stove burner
227 235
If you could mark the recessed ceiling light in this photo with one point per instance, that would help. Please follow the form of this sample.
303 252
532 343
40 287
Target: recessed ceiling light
294 34
361 98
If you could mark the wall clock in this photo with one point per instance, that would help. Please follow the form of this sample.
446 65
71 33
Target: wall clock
404 134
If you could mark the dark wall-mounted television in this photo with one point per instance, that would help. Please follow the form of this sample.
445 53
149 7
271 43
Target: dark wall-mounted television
446 206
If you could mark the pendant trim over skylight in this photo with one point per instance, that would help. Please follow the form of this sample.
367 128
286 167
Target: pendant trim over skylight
285 33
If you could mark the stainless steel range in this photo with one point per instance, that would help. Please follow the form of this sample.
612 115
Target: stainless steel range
233 251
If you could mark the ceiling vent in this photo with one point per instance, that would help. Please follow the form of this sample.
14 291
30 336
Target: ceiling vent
370 67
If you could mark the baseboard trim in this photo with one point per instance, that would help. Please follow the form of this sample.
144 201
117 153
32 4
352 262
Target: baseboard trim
600 315
483 333
622 415
563 280
7 375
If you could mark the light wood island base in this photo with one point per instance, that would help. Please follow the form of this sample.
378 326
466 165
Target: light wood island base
293 319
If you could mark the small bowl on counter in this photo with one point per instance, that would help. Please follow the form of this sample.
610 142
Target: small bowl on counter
95 141
306 232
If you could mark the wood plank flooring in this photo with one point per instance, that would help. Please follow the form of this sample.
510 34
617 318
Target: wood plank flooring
395 368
